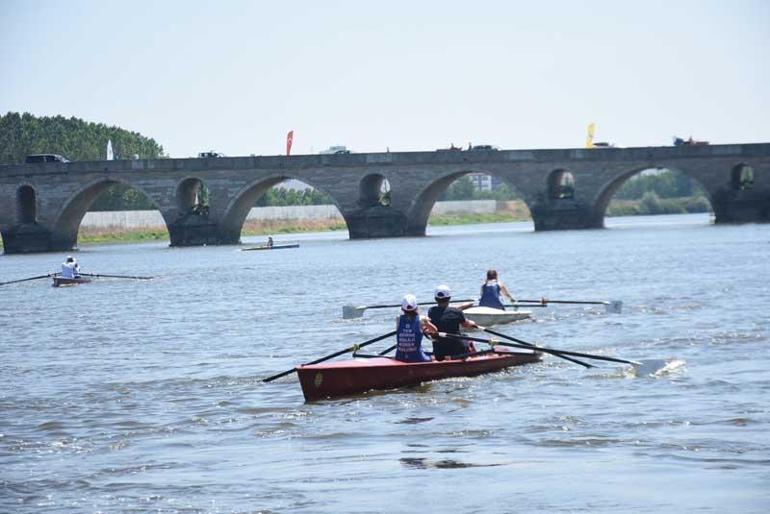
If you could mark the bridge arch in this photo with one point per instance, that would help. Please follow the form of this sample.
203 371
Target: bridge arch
423 203
604 197
742 177
240 205
374 191
561 185
66 225
192 196
26 204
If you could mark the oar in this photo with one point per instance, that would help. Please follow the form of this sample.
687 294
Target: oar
27 279
353 348
387 350
353 311
115 276
530 345
543 349
614 306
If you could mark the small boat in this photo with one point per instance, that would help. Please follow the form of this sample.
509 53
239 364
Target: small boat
344 378
274 247
488 316
61 281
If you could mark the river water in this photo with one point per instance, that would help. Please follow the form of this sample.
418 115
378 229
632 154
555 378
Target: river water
137 396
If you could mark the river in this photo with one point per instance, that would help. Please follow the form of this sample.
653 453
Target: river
138 396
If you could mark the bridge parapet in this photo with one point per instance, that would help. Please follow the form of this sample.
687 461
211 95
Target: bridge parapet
41 205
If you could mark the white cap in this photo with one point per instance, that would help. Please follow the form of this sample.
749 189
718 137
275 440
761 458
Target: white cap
409 303
442 292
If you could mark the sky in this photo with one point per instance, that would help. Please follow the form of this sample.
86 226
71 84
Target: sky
235 76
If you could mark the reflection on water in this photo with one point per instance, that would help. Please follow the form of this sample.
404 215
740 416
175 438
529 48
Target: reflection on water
146 395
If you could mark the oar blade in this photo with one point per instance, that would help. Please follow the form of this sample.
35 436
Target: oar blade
352 311
657 367
614 307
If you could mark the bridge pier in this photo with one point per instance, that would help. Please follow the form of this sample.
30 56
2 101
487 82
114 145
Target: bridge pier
376 222
194 230
744 206
564 215
28 238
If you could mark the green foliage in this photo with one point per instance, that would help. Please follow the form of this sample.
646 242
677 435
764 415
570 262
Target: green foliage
667 184
279 196
122 198
464 189
652 204
75 139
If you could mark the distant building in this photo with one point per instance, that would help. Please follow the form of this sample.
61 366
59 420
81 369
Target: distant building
484 182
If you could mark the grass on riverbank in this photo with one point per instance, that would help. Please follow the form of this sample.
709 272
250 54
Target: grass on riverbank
508 212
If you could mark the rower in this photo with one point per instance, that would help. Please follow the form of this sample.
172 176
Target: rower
448 319
70 268
492 291
410 327
269 241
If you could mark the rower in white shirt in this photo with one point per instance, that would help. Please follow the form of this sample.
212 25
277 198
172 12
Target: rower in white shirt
70 268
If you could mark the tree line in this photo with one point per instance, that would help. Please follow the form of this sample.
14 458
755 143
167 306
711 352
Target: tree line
73 138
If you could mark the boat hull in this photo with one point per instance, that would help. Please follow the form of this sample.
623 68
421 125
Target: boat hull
274 247
61 281
487 316
345 378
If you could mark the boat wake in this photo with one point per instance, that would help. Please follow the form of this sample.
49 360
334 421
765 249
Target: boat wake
656 368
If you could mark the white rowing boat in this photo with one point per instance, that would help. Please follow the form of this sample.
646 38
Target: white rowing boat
488 316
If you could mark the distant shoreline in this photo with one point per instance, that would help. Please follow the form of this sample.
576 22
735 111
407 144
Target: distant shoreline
512 212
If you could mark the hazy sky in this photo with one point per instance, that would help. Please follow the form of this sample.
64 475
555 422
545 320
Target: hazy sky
235 76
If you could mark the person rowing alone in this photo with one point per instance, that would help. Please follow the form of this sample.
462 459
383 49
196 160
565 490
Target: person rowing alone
410 327
449 320
70 268
492 292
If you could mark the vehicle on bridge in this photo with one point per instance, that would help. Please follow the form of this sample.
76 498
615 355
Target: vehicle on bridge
603 145
678 141
487 148
45 157
210 155
332 150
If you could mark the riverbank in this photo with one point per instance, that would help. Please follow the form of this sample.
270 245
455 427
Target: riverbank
116 228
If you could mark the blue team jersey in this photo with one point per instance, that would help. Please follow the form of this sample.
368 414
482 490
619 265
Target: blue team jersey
409 340
490 296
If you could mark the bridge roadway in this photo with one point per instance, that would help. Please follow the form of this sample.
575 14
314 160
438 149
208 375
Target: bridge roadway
42 205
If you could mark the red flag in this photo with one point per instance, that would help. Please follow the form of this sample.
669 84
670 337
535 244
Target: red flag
289 141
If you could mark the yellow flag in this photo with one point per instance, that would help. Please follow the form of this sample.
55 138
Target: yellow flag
590 135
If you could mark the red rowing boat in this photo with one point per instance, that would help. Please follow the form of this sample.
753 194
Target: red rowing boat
61 281
330 380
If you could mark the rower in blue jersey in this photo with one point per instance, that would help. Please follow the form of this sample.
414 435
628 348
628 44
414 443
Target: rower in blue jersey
409 330
492 292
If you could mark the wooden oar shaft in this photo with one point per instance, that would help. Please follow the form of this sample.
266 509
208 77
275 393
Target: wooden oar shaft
545 301
387 350
530 345
567 352
115 276
553 351
27 279
331 356
392 305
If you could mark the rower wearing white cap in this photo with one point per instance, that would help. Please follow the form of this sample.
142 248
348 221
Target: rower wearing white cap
448 319
70 268
409 330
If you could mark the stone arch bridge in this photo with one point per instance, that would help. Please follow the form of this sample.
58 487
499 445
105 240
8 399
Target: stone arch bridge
378 194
